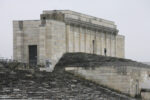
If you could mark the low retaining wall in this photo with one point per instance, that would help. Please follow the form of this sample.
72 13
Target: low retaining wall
145 94
125 79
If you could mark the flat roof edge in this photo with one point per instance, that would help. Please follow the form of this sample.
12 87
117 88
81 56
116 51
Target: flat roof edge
79 14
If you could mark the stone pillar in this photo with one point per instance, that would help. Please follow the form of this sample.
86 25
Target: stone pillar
80 39
87 41
85 33
115 46
102 42
92 38
67 38
73 38
95 42
98 43
101 45
76 39
110 44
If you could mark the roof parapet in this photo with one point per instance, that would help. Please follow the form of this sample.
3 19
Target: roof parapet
71 17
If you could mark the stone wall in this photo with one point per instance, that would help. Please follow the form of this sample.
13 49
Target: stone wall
65 31
25 33
55 40
145 95
80 39
125 79
120 45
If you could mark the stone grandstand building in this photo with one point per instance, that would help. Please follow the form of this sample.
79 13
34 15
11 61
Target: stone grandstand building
61 31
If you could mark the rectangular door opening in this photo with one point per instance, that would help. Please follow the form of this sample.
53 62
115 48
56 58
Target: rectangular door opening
33 55
93 46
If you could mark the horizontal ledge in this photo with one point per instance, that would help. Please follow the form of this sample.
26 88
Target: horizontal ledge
91 25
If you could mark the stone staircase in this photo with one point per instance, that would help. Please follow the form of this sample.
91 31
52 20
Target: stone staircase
57 85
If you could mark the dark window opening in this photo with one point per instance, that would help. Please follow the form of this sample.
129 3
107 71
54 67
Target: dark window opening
43 21
137 87
44 18
20 25
93 46
105 51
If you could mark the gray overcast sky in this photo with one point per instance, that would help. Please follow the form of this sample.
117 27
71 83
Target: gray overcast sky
131 16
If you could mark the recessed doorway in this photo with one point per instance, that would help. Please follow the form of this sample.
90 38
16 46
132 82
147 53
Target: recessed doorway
33 55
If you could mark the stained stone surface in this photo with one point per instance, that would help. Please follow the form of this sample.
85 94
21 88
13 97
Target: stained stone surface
61 31
57 85
123 75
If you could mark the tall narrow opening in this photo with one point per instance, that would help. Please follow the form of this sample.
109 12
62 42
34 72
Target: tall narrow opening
105 51
43 20
93 46
137 87
33 55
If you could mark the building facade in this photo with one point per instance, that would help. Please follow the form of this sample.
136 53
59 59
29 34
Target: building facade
61 31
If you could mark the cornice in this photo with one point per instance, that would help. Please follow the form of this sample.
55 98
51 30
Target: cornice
90 25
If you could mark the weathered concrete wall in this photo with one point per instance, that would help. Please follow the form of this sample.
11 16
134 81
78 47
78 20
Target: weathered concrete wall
120 46
49 38
55 40
25 33
126 79
80 39
145 95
